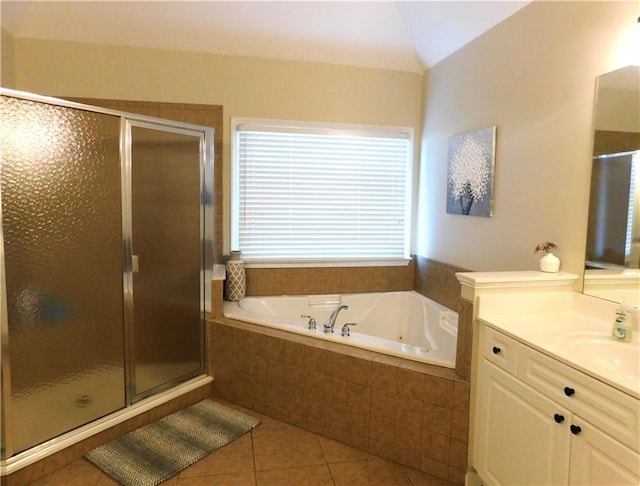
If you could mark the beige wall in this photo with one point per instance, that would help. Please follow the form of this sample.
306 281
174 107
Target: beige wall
533 76
7 61
618 108
246 87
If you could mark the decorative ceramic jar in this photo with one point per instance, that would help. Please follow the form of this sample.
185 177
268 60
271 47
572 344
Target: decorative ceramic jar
235 284
550 263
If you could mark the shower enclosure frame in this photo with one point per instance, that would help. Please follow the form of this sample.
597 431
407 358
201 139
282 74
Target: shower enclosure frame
134 404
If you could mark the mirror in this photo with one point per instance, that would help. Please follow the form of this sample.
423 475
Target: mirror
612 263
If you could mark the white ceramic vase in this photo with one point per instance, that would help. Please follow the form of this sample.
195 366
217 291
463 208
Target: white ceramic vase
549 263
235 284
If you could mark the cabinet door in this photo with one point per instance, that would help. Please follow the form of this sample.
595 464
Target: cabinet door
598 459
521 436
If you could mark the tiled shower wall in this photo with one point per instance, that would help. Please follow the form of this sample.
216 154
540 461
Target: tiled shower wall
198 114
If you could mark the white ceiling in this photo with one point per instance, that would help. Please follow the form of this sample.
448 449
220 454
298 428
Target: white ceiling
401 35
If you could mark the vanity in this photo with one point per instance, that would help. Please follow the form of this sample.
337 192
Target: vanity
558 400
555 399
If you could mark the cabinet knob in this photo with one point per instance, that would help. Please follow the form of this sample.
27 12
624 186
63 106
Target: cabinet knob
575 429
558 418
496 350
569 391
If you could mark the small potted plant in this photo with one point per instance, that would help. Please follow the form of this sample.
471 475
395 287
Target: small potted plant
549 262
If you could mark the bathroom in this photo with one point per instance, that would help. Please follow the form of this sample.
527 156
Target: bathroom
532 76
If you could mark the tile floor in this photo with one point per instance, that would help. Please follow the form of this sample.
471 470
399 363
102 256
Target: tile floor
274 453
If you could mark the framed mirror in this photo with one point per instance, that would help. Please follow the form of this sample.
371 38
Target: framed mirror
612 263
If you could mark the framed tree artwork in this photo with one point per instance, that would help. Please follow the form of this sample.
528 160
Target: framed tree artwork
470 173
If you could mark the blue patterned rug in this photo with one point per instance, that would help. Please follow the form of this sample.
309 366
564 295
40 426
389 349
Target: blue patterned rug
153 453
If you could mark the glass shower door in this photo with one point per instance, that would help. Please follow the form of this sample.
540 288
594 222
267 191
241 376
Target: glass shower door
62 322
165 307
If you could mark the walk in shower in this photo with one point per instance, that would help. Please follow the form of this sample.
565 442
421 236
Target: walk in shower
106 246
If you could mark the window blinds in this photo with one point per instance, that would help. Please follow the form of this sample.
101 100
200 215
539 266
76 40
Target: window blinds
632 225
317 196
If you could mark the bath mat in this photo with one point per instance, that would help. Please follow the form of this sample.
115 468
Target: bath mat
153 453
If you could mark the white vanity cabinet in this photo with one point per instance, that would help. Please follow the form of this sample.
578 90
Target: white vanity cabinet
539 421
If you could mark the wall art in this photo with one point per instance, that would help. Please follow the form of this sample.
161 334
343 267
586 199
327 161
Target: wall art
470 173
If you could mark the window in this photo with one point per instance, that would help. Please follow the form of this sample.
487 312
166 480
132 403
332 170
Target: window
316 194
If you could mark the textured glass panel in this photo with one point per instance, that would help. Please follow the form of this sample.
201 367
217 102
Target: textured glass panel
167 332
61 209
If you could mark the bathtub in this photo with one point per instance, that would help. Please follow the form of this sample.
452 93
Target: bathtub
403 324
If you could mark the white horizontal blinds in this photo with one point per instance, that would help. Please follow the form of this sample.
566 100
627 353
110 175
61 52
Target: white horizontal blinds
321 195
634 179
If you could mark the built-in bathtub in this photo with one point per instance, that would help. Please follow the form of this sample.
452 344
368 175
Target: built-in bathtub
403 324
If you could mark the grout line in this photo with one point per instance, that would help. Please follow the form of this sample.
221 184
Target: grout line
326 463
253 456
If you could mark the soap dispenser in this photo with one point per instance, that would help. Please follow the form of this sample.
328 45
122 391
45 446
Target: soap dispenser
622 327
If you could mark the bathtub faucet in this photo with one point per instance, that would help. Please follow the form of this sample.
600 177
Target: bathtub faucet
328 326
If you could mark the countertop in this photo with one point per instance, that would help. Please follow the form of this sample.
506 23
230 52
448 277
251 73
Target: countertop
571 337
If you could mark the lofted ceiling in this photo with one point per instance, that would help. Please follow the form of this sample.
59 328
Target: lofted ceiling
400 35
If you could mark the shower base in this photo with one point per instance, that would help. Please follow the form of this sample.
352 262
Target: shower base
190 391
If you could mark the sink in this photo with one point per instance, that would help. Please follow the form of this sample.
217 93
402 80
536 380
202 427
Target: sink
599 349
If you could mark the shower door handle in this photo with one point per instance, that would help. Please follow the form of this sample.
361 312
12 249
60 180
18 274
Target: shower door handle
134 264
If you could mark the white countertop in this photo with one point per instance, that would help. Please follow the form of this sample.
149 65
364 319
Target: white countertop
577 338
527 278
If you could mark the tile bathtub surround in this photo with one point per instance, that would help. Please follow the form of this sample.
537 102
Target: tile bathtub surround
217 303
329 280
408 412
433 279
75 452
430 278
437 281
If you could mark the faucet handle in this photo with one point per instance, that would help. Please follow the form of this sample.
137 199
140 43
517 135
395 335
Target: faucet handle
312 322
345 329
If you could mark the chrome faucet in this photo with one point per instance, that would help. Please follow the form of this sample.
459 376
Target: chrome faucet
328 326
312 322
346 332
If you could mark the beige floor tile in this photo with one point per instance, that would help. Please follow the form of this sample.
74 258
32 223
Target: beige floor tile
245 410
368 473
420 478
316 475
80 472
235 457
246 478
338 452
172 481
283 445
106 480
278 451
269 426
